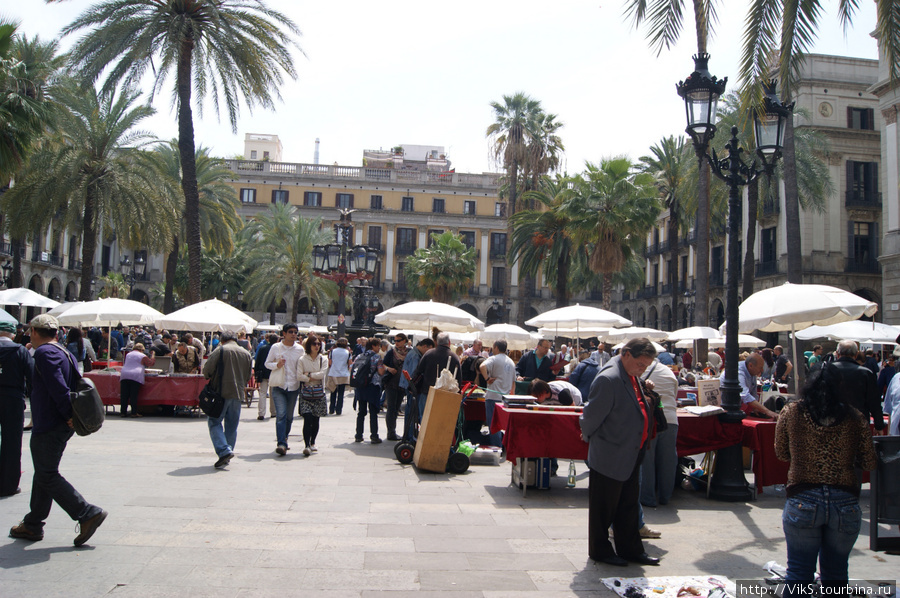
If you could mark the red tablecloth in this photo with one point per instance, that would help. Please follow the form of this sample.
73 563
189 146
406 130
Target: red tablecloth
759 436
703 434
157 390
539 433
474 410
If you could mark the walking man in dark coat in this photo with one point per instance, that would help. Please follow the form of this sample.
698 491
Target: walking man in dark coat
15 378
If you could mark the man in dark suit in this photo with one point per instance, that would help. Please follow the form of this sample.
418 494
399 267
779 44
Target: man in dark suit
431 365
858 387
618 424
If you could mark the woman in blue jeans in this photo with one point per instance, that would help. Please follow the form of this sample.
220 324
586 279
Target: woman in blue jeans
825 440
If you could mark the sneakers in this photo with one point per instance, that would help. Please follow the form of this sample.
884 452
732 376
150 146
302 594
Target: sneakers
223 460
648 532
89 526
260 417
281 449
306 452
358 439
313 448
376 440
23 532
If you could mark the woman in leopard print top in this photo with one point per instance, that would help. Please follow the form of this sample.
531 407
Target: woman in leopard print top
824 440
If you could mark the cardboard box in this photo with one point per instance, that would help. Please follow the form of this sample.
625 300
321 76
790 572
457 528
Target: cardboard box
436 431
531 473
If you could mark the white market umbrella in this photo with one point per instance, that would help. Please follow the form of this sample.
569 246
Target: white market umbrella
269 327
208 316
419 314
110 312
791 307
625 334
576 317
694 333
586 332
5 317
855 330
659 348
25 298
745 341
517 338
63 308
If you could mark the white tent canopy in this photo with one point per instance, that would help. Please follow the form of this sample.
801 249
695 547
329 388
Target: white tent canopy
208 316
425 314
694 333
25 298
745 341
577 317
517 338
856 330
110 312
625 334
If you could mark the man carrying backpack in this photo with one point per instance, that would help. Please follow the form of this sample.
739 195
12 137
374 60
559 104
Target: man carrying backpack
368 392
584 374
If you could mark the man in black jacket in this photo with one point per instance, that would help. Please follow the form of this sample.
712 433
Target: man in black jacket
15 377
536 364
858 385
390 382
432 364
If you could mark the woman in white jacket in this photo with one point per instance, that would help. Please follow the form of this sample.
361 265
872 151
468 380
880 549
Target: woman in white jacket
311 371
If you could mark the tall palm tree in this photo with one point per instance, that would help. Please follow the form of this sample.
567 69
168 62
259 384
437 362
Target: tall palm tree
777 36
614 207
229 49
541 240
280 258
93 172
443 271
665 20
219 219
670 164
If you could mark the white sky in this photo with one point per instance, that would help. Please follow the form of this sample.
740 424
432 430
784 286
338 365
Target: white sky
377 75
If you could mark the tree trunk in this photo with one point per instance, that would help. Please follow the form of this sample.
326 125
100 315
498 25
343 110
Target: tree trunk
701 226
792 207
296 297
513 176
272 312
562 281
749 257
673 260
189 170
171 266
607 290
15 277
88 244
524 296
701 25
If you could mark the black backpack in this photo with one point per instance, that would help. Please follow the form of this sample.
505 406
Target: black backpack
361 373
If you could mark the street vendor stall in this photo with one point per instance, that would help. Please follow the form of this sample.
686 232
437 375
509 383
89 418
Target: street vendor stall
180 390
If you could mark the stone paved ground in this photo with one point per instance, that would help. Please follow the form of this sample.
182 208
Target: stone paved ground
348 521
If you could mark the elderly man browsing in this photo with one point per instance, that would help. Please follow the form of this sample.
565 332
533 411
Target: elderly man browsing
748 370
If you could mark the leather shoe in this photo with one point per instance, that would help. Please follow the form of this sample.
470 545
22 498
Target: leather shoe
23 532
88 528
613 559
645 559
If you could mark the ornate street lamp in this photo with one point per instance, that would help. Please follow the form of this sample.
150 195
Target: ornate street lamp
701 92
225 295
7 269
132 272
343 264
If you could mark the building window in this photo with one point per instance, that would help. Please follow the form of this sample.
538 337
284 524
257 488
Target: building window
406 240
862 247
437 205
279 196
468 238
862 183
498 280
248 195
469 207
498 245
861 118
344 200
375 237
407 205
265 155
253 154
500 209
312 199
769 245
400 284
717 267
375 202
433 232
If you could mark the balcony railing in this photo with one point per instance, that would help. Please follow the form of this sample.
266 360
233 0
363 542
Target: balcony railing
6 249
498 254
597 295
869 266
716 279
406 249
663 246
495 292
666 289
40 257
400 286
652 249
771 208
474 291
863 199
766 268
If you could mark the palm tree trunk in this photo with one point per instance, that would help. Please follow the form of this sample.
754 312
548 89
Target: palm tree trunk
294 305
792 208
607 290
15 277
272 312
511 209
749 257
673 260
171 266
88 245
562 281
701 25
701 226
189 171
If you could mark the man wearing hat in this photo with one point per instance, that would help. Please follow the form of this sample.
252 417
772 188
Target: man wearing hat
15 376
51 408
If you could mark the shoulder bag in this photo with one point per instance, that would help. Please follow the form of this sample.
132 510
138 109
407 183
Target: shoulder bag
212 403
659 415
312 392
87 407
277 377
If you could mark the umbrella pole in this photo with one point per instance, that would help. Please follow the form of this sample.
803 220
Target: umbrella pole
109 348
796 365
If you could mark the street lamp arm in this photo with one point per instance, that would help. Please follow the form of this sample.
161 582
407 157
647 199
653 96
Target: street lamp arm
732 169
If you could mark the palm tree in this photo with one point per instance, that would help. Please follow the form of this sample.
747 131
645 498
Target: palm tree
92 170
541 239
443 271
777 35
280 258
613 207
665 19
229 49
112 285
219 220
670 164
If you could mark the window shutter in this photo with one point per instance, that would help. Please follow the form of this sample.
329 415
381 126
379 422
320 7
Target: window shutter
871 115
274 195
874 171
351 200
850 252
849 166
849 117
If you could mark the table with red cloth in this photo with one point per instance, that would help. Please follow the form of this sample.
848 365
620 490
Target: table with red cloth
703 434
157 390
473 408
539 434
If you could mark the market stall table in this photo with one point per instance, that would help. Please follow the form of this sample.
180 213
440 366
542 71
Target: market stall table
182 390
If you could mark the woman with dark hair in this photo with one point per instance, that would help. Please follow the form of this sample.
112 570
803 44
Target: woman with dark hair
75 345
824 439
338 374
769 367
311 371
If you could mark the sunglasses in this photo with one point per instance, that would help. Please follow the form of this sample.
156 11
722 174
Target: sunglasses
290 332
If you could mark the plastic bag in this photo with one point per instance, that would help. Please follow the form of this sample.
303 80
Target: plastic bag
447 380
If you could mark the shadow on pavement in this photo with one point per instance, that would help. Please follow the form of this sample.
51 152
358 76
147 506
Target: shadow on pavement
22 553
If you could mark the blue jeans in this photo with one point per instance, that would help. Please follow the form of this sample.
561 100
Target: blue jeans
819 524
489 403
285 401
47 449
223 429
659 467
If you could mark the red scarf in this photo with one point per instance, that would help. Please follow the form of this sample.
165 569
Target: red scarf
643 405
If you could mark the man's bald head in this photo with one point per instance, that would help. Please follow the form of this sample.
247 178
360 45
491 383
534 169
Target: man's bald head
755 364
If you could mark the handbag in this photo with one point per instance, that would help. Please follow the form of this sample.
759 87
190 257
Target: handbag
277 377
88 413
212 403
659 416
312 392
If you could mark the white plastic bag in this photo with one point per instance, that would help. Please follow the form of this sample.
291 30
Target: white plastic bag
447 379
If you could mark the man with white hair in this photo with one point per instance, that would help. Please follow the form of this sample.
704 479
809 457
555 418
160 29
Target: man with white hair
859 387
432 364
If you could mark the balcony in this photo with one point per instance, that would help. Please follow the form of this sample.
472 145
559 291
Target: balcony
597 295
652 249
400 287
474 291
664 246
666 289
495 292
770 208
498 254
766 268
406 249
716 279
862 266
650 291
6 249
863 199
40 257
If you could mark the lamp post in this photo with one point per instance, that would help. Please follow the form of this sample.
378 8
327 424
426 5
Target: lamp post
132 272
701 92
341 263
689 308
225 295
7 269
502 310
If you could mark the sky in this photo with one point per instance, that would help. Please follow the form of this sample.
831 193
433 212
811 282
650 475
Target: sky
376 75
